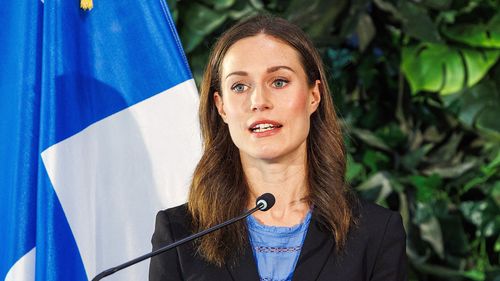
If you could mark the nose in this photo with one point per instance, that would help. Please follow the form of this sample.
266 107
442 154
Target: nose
260 99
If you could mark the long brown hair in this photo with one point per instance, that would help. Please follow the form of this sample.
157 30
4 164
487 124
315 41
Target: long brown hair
219 190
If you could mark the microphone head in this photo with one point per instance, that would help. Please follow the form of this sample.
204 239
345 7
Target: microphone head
265 201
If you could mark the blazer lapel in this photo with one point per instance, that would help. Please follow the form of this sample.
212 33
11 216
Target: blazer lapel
318 246
246 269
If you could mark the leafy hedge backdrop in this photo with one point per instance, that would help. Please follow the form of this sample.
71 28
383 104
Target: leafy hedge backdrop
417 84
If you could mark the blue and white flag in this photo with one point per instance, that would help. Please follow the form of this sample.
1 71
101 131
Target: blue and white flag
98 130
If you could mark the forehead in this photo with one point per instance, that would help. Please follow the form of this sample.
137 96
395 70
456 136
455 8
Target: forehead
260 52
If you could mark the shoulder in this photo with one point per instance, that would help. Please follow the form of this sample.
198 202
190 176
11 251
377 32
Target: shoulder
372 214
374 249
377 230
170 225
375 221
175 214
376 246
173 222
381 236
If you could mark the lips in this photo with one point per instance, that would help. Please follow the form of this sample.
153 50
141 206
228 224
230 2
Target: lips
264 126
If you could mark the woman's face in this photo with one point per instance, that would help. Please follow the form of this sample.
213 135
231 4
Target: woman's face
266 100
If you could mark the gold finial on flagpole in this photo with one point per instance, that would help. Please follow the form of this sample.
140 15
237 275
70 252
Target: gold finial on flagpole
86 5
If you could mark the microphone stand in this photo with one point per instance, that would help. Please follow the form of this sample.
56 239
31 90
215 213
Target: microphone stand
260 206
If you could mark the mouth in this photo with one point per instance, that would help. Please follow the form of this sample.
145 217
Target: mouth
260 127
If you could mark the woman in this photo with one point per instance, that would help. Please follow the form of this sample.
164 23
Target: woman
268 125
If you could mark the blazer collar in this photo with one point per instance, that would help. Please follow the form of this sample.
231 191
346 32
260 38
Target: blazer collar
318 246
246 268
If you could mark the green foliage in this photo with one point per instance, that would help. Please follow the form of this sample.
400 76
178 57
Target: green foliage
477 108
447 67
444 69
477 35
199 21
417 84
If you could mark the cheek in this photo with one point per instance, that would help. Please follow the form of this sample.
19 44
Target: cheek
298 104
230 105
233 111
235 116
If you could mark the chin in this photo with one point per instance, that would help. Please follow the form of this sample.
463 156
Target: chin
274 156
265 155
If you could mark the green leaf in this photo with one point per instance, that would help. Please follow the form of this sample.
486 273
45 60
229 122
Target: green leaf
472 211
476 35
198 60
354 170
469 103
199 21
339 59
220 4
391 135
370 138
440 68
495 193
495 162
492 226
427 187
241 10
497 245
445 273
430 231
412 159
447 151
474 182
475 275
379 182
376 160
488 122
432 134
316 17
477 107
483 214
365 30
423 213
454 235
417 22
478 63
493 273
433 68
444 170
174 11
437 4
257 4
387 6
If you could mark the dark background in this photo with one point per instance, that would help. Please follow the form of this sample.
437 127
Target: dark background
417 85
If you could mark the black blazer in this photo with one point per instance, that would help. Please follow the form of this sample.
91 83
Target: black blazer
375 250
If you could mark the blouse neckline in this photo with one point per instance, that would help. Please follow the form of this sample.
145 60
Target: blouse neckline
255 225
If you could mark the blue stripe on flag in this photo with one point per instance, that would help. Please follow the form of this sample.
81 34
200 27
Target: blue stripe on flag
20 55
57 255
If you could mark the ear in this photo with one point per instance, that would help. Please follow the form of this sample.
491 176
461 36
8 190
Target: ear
315 97
220 106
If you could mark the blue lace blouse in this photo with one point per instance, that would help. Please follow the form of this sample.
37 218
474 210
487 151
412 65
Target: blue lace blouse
276 249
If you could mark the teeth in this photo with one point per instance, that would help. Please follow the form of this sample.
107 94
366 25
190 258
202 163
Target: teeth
263 127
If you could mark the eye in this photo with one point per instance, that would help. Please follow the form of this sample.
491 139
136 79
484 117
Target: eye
280 83
239 88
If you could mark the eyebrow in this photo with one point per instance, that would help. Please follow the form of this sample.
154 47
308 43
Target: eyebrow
269 70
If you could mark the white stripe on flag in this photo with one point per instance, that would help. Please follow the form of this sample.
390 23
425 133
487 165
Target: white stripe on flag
24 268
112 177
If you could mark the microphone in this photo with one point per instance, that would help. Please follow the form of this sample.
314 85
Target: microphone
263 203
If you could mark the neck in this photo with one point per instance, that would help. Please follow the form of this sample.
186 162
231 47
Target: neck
287 181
